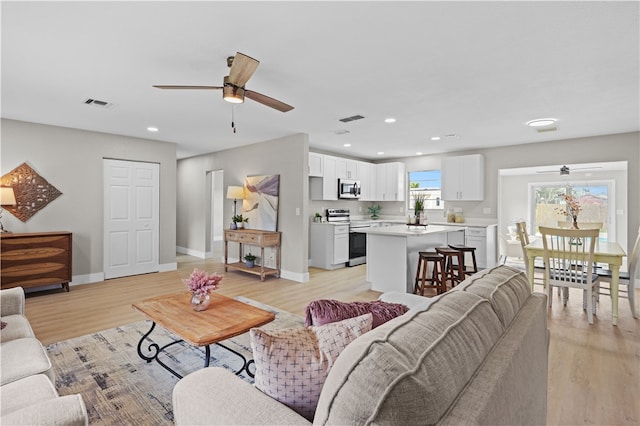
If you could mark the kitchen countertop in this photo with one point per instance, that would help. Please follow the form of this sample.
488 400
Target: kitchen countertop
410 231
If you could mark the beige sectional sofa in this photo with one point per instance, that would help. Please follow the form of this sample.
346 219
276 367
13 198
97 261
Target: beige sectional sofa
474 355
27 393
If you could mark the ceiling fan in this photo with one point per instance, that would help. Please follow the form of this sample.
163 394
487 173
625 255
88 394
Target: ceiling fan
564 170
241 68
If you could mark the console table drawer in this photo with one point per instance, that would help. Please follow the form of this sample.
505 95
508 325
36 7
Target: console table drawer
250 239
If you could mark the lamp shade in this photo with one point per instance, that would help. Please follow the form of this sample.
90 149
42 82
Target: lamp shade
235 193
7 196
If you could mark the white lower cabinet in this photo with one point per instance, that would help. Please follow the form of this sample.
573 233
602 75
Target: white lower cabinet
484 240
328 245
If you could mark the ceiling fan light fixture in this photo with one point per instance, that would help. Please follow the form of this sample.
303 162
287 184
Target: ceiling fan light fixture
231 93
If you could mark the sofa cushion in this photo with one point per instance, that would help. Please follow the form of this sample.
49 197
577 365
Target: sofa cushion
28 391
506 288
410 369
17 327
292 364
23 357
324 311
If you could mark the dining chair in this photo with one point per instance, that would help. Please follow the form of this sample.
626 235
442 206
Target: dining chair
629 277
523 236
581 225
568 258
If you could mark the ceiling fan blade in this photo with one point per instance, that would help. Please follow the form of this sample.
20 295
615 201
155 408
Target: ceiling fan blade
188 87
242 69
266 100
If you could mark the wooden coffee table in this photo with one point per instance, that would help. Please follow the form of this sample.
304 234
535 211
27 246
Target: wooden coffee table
223 319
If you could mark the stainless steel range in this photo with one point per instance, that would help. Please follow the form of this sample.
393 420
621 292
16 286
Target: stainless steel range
357 239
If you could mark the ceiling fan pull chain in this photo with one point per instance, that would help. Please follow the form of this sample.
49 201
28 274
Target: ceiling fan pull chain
233 125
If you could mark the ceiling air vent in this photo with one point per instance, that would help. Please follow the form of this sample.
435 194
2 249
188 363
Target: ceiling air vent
352 118
98 103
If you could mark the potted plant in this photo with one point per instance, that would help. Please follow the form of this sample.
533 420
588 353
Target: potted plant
238 221
374 211
418 207
318 217
249 260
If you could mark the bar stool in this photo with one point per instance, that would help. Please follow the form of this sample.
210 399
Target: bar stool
466 249
437 276
454 272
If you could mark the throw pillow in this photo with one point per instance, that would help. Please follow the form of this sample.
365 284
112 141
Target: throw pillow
321 312
292 363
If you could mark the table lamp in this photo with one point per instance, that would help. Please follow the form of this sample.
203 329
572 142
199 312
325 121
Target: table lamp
7 198
235 193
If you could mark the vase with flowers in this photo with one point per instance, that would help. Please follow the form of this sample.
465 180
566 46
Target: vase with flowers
572 209
200 284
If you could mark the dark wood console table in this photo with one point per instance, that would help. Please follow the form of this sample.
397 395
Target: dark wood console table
252 237
35 259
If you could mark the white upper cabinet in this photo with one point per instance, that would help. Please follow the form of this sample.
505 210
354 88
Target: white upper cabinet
347 169
463 178
316 163
325 187
367 177
390 181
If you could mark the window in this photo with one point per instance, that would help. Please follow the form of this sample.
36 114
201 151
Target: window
595 199
427 183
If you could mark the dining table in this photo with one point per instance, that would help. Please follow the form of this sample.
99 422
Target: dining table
608 252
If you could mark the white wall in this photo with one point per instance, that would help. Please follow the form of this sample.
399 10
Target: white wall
71 160
287 157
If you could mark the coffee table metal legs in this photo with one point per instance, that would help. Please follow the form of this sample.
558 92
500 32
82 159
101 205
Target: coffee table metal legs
155 350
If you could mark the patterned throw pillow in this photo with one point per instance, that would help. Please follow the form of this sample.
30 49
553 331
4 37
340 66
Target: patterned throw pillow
293 363
321 312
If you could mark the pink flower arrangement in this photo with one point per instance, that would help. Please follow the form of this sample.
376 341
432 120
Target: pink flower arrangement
199 282
574 207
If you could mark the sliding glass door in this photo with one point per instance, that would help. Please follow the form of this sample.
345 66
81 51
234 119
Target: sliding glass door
596 199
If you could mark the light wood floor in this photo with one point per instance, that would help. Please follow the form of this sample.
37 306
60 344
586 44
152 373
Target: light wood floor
594 371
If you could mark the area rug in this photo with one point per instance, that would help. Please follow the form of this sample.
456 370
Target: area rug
118 387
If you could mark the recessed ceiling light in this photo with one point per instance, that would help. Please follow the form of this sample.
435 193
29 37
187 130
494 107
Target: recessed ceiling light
152 129
380 153
389 120
435 138
347 145
541 122
418 153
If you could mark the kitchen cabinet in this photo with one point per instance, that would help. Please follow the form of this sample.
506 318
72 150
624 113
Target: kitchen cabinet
463 178
390 181
325 187
346 169
367 177
329 245
484 240
316 162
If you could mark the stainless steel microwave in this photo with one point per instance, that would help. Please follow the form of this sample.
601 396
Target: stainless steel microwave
348 188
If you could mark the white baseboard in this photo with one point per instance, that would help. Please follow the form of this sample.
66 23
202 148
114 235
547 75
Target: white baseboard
164 267
87 279
191 252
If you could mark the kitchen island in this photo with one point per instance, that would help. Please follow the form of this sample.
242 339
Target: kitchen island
392 253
